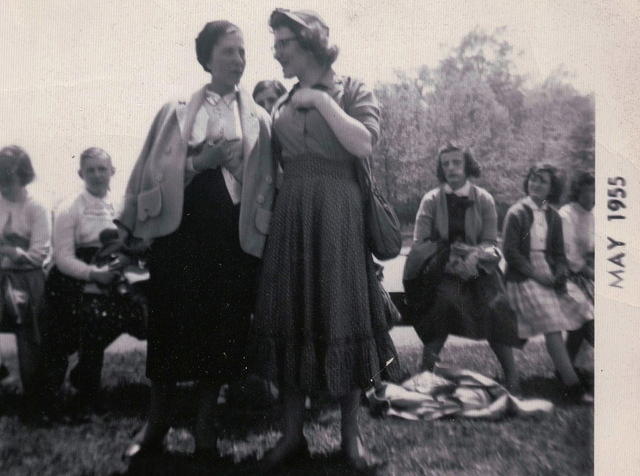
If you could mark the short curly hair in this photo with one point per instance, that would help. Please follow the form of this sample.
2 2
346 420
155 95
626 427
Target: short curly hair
94 152
471 165
310 30
209 36
15 162
556 181
581 179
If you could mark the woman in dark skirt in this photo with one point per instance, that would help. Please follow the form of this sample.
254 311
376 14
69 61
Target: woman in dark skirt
320 319
201 194
465 294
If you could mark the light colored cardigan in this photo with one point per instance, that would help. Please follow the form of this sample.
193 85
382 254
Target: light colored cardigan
480 220
432 226
155 193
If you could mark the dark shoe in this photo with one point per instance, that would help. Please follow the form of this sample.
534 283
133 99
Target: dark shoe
363 463
586 378
274 459
577 394
4 372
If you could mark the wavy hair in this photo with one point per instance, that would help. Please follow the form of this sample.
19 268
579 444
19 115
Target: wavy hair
310 30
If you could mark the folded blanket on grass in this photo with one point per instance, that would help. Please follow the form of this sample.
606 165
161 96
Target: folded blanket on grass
451 392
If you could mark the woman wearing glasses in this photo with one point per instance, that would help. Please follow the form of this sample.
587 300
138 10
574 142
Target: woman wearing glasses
320 322
202 191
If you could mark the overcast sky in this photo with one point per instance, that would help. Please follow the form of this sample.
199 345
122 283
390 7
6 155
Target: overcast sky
75 74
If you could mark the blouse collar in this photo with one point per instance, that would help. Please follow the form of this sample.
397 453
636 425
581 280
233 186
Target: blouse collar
461 192
528 201
214 98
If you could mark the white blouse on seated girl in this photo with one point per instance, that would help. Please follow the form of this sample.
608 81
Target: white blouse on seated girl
28 220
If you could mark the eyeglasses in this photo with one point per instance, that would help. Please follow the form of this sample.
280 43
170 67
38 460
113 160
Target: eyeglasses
282 43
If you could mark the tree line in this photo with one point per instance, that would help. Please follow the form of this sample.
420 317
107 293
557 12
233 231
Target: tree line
476 98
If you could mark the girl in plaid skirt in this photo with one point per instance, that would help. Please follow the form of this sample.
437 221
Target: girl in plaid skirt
537 273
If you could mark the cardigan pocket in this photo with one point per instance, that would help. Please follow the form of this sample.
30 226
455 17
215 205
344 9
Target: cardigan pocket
149 203
263 219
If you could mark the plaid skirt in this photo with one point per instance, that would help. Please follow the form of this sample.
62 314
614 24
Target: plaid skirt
542 310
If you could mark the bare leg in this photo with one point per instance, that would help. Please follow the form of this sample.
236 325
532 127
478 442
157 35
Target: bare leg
431 351
560 357
292 441
350 429
575 338
504 353
205 428
352 446
574 342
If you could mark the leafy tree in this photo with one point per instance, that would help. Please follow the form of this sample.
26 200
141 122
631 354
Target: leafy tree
475 97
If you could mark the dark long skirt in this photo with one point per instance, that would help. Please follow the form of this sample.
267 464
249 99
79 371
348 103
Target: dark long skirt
320 323
202 290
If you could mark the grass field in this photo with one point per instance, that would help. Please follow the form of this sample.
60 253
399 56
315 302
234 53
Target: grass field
558 444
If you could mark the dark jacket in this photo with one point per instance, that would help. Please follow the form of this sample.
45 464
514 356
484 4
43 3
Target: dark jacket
516 244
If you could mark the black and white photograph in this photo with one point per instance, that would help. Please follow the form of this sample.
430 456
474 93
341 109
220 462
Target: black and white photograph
319 238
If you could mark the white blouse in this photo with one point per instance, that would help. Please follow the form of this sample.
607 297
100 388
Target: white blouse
218 116
578 231
31 221
77 225
538 232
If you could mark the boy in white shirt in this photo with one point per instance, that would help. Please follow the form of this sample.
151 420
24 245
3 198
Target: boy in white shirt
85 321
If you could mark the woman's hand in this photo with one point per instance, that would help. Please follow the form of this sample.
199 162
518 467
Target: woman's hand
217 154
307 98
103 277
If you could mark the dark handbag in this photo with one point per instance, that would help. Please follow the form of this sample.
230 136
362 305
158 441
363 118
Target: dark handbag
381 223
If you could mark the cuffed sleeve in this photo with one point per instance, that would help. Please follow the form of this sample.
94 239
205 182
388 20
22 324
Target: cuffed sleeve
363 106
